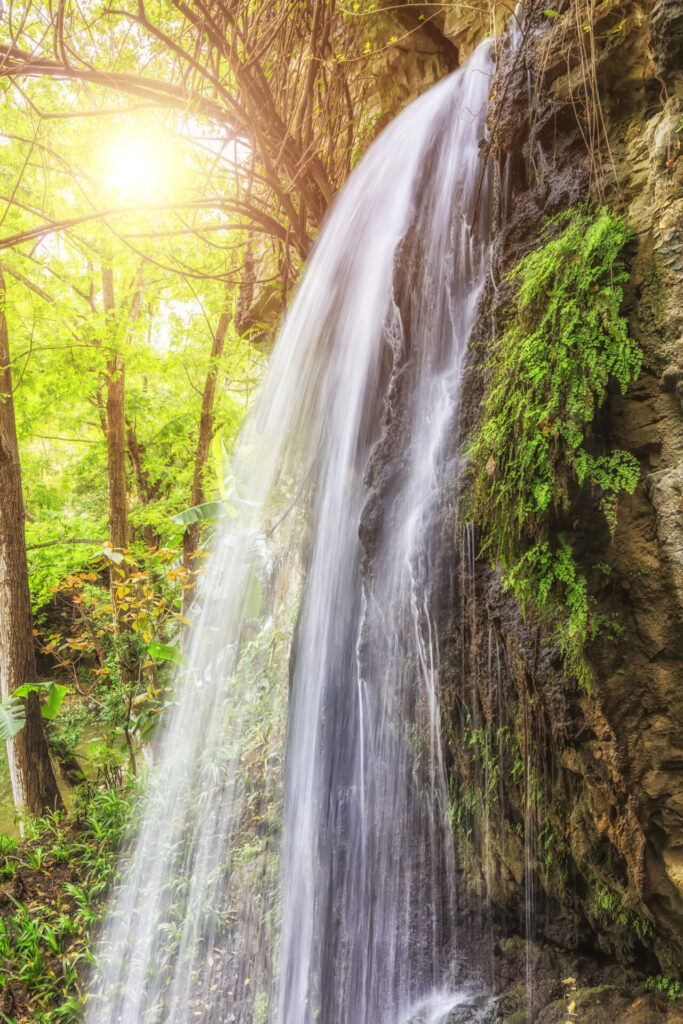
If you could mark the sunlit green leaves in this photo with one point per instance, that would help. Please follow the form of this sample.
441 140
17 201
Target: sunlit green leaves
61 338
167 652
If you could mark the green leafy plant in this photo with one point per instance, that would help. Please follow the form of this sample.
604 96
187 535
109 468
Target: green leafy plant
12 717
54 696
549 374
167 652
208 512
47 936
607 906
665 986
120 640
13 713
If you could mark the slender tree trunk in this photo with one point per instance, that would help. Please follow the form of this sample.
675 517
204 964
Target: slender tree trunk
191 536
118 495
116 426
116 452
34 785
148 492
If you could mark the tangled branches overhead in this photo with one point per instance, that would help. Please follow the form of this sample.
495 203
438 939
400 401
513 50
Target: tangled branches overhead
266 74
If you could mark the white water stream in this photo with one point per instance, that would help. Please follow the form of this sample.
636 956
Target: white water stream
361 401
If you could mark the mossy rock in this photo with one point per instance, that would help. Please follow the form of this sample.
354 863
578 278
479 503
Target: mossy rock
604 1004
512 1003
478 1009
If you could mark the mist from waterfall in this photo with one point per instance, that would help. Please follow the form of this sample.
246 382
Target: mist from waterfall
346 915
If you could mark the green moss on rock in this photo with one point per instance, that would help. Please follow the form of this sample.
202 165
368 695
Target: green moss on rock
549 373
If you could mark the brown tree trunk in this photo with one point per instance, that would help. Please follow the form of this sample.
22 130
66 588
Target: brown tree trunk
34 785
118 498
206 420
148 492
116 427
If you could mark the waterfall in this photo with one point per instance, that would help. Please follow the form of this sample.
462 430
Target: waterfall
342 470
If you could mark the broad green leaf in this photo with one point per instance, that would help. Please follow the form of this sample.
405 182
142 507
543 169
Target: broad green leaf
56 693
166 652
206 513
114 556
12 717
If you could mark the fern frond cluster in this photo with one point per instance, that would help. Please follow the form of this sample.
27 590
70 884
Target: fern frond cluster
549 373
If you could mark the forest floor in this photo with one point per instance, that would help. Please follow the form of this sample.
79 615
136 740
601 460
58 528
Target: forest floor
53 890
55 880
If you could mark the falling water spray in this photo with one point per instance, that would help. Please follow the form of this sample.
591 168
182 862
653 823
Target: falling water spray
346 914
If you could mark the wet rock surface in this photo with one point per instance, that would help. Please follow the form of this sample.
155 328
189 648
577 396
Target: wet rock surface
568 805
565 988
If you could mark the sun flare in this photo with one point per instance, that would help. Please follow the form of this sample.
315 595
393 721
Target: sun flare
140 168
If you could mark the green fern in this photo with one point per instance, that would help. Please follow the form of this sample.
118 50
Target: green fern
549 372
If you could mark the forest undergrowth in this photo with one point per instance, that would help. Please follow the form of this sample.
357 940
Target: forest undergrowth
53 895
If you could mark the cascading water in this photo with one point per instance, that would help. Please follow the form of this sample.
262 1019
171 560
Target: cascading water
361 403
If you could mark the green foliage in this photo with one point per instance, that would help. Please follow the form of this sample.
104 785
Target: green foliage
564 342
61 338
208 512
606 905
63 870
543 572
554 851
48 566
167 652
665 986
68 730
12 717
54 696
490 756
145 598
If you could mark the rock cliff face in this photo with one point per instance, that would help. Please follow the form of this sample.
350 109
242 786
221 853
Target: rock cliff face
565 802
568 806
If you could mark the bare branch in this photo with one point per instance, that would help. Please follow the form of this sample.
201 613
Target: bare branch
42 230
69 540
14 61
40 292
